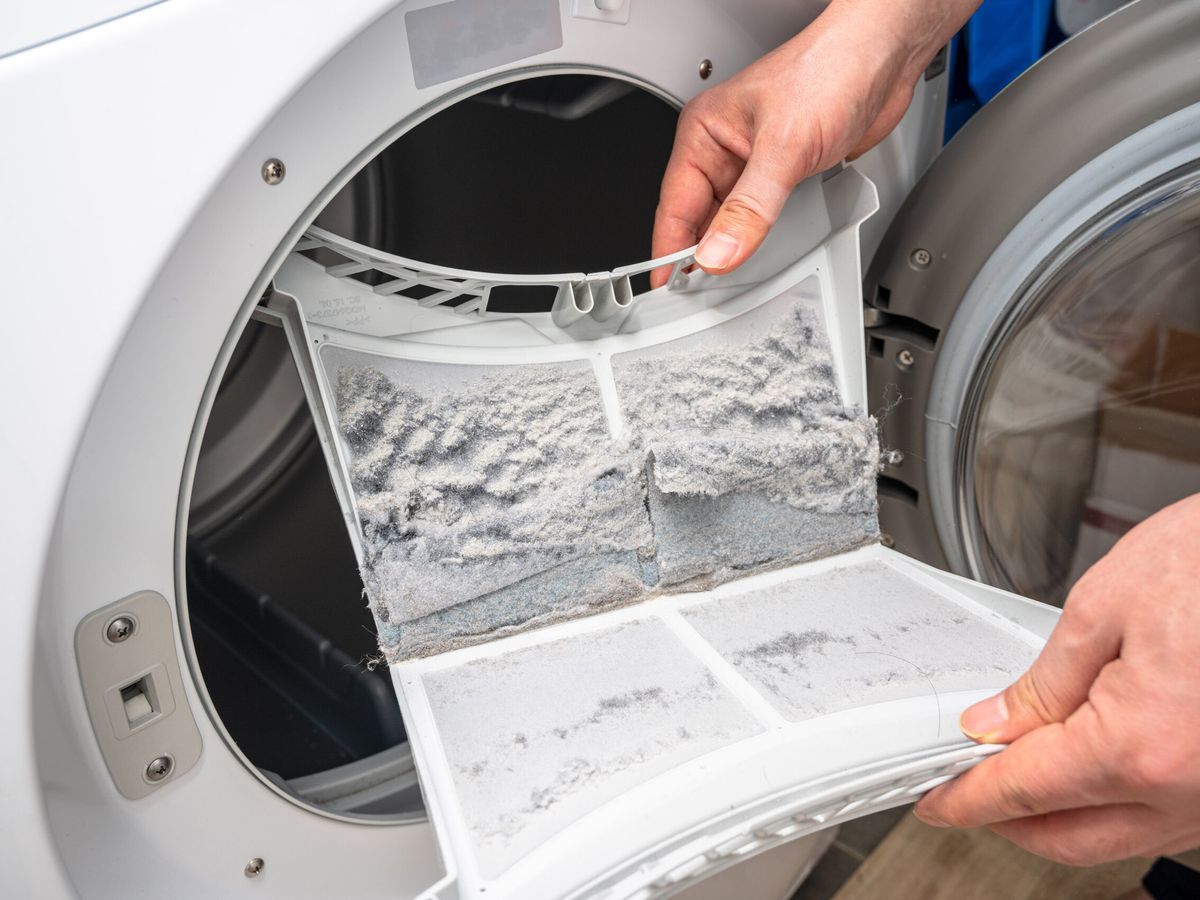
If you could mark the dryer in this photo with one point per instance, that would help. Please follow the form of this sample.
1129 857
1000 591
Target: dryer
165 451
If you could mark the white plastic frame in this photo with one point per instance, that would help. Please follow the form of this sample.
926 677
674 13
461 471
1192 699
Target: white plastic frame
790 780
323 310
600 295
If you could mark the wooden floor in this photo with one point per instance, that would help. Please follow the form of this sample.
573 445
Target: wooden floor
916 862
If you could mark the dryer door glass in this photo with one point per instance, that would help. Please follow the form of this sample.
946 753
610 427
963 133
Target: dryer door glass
1089 418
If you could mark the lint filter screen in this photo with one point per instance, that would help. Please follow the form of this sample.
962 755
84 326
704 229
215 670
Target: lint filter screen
536 737
600 713
489 498
751 457
492 499
853 637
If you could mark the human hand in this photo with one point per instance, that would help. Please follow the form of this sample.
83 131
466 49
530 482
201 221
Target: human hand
1104 728
833 91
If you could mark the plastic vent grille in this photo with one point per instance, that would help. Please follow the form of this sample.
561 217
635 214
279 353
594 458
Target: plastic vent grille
577 295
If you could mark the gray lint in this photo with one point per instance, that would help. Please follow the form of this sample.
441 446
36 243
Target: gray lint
754 460
494 499
600 714
489 499
856 636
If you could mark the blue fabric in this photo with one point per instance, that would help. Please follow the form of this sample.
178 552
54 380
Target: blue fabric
961 103
1003 39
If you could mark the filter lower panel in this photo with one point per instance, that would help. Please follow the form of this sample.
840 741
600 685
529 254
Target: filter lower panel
821 688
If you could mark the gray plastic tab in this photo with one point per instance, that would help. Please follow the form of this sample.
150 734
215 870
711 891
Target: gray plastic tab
134 693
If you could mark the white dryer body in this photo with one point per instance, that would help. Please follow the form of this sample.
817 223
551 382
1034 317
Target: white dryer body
137 227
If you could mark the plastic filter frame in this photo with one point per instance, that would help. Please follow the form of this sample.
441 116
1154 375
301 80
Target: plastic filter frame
635 751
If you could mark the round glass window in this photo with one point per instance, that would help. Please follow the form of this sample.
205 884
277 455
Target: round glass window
1087 420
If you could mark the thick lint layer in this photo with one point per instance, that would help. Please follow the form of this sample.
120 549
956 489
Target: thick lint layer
819 471
494 498
755 461
489 500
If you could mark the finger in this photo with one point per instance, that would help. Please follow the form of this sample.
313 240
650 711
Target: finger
1085 640
1099 834
685 202
1051 769
699 174
747 214
669 235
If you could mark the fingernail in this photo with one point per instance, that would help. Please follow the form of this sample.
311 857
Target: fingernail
985 719
929 819
716 251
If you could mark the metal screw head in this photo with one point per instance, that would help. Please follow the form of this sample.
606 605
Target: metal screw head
905 359
706 68
273 171
119 629
254 867
159 768
887 540
894 457
921 258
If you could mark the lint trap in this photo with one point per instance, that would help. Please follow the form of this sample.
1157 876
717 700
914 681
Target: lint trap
622 550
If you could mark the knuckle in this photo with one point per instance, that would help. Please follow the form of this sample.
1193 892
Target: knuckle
1149 766
744 213
1082 608
1014 797
690 127
1069 852
1032 693
695 110
813 151
800 146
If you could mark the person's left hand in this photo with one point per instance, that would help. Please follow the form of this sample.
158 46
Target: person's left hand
833 91
1104 728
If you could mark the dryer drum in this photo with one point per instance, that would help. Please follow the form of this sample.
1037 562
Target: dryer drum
286 644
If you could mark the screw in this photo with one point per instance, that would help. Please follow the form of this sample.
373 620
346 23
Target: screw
905 359
894 457
254 867
887 540
273 171
706 68
159 768
119 629
921 258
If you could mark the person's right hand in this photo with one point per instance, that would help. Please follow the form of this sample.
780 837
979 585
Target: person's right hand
832 92
1104 729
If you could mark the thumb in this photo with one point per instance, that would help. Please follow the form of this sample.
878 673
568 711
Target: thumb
1084 642
745 216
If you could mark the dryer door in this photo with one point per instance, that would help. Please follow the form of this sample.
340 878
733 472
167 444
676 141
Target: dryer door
1032 319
